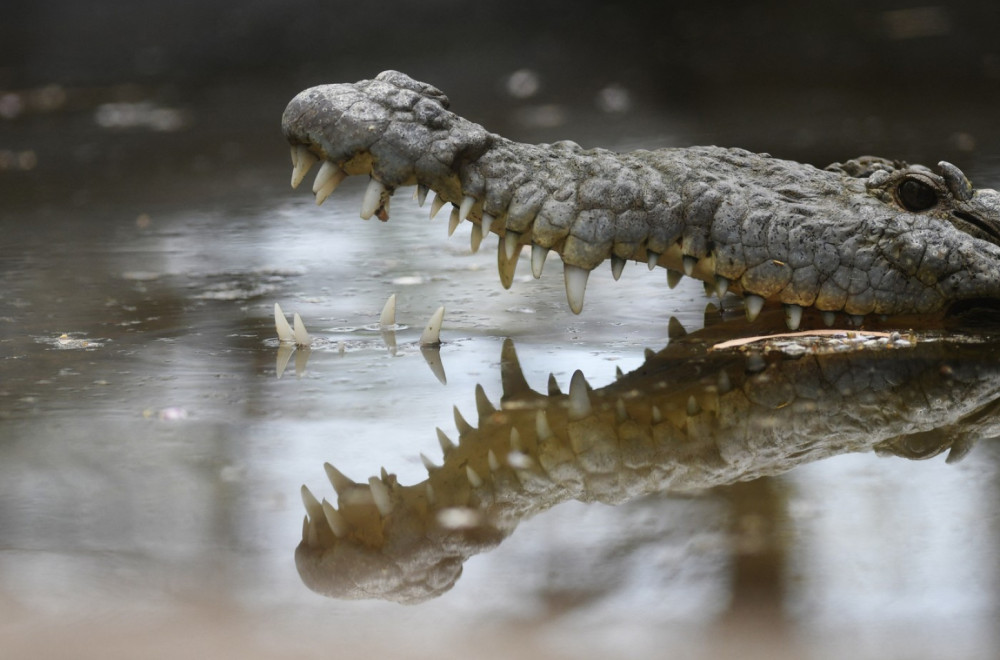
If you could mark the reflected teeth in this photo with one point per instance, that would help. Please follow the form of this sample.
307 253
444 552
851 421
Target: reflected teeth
376 197
340 482
576 286
793 316
466 207
474 479
302 162
381 495
753 305
579 398
617 265
538 254
335 520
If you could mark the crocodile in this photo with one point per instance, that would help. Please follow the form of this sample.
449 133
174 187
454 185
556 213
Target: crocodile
690 418
865 236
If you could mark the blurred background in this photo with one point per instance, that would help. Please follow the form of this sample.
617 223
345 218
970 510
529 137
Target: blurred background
150 459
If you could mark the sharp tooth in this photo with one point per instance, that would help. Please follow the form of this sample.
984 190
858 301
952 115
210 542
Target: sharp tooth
432 333
388 317
381 495
652 258
724 383
466 207
538 254
301 336
709 288
579 398
330 185
506 267
793 316
829 318
675 329
375 195
428 463
474 479
542 428
335 520
617 264
302 162
692 406
463 426
553 386
453 221
619 374
491 460
576 286
475 237
446 444
313 507
721 285
484 408
326 170
753 304
674 277
486 223
689 264
436 205
338 480
510 239
285 333
421 194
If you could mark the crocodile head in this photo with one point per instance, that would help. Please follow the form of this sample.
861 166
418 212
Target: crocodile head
867 236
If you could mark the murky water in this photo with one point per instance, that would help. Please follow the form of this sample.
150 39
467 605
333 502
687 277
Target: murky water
154 442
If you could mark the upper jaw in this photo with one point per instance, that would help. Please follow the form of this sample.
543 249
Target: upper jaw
400 132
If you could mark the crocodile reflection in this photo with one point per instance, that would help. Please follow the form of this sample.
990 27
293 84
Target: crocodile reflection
688 419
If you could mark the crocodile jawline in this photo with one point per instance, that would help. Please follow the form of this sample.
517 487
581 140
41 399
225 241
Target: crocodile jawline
867 236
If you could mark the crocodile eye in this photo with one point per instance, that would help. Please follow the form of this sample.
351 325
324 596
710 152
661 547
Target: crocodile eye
916 195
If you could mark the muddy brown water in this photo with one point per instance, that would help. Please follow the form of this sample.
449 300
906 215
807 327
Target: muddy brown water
151 459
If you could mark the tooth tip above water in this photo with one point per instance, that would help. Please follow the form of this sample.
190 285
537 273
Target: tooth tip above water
388 316
576 286
285 334
432 333
579 397
754 304
302 338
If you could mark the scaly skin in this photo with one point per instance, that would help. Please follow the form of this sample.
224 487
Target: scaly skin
687 420
837 240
